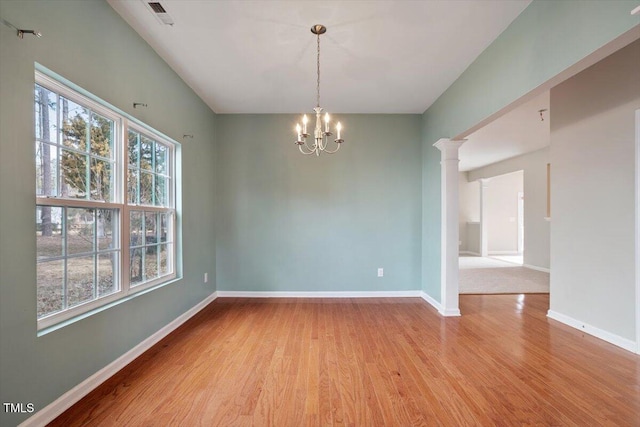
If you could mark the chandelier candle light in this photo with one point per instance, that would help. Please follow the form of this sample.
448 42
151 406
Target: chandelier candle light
321 136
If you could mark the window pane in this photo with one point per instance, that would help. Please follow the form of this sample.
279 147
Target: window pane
135 266
132 186
146 153
74 174
46 114
146 188
50 276
164 265
75 125
46 170
80 235
135 229
161 159
107 266
79 280
101 180
150 228
162 197
101 136
133 147
151 263
106 228
163 226
49 240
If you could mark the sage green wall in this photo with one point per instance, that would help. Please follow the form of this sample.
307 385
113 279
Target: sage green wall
289 222
89 44
545 39
286 222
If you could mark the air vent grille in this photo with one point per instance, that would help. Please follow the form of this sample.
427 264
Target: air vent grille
157 7
159 12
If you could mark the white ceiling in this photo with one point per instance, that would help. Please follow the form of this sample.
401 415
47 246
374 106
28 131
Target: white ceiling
376 57
517 132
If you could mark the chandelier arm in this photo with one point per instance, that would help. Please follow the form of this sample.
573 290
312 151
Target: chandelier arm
304 152
333 151
311 148
311 151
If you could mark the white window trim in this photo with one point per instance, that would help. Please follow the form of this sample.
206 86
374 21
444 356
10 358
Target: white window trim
122 122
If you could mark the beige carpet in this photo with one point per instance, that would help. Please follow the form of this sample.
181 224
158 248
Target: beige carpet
492 276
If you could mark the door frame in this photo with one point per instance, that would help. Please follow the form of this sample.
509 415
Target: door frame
637 242
521 220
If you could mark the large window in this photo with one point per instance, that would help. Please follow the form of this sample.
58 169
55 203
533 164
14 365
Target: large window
105 204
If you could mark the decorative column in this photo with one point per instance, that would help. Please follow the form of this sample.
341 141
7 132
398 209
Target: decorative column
484 236
449 220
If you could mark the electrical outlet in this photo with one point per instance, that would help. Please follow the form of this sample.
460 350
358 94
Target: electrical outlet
380 272
206 277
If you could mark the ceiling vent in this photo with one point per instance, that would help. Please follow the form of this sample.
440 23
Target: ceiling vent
160 12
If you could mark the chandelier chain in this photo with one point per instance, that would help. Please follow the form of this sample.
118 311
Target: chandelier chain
318 71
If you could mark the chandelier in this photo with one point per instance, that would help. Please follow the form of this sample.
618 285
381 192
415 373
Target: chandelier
321 136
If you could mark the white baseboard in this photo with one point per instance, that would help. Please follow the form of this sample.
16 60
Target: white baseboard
64 402
370 294
534 267
469 253
429 299
338 294
592 330
451 312
503 253
446 313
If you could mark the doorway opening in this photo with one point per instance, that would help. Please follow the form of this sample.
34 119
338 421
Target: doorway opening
492 237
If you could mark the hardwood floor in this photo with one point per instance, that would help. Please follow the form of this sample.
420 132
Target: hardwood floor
370 362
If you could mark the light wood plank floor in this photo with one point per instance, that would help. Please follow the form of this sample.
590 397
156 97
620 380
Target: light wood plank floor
370 362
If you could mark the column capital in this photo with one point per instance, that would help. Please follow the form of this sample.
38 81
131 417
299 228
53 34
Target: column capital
449 148
446 144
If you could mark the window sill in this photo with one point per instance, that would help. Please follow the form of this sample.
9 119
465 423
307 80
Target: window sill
66 322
